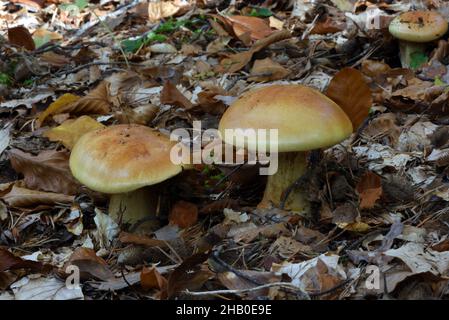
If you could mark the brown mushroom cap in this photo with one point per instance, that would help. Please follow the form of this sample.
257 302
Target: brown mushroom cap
418 26
305 118
122 158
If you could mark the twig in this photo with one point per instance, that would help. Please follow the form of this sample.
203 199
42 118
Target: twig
237 291
113 14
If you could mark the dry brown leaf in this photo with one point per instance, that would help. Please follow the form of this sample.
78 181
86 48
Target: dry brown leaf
48 171
9 261
142 114
267 70
95 102
235 62
71 130
44 33
234 282
22 197
369 189
329 25
350 91
150 278
136 239
171 95
183 214
165 9
207 102
20 36
54 59
384 126
256 28
416 89
191 274
56 106
89 264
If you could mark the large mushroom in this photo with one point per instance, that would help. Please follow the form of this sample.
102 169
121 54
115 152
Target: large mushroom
305 120
123 160
414 29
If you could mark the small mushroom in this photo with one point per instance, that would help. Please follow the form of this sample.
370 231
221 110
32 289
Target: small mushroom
305 120
123 160
414 29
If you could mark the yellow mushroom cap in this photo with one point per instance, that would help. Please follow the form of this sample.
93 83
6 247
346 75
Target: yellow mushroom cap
122 158
305 118
418 26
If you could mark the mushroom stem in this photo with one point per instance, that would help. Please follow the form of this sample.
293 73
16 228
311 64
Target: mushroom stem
291 166
407 51
133 206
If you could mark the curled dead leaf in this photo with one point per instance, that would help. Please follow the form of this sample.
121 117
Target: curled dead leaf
171 95
150 278
369 189
22 197
256 28
350 91
183 214
90 265
267 70
48 171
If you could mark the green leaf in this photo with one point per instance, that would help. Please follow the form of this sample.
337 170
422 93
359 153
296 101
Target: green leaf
417 59
40 41
5 79
439 82
134 44
261 12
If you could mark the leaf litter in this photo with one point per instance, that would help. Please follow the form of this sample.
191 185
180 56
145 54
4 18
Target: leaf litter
379 198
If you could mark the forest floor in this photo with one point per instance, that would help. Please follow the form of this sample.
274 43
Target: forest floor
379 222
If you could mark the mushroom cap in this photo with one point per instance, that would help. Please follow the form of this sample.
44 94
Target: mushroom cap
305 118
418 26
122 158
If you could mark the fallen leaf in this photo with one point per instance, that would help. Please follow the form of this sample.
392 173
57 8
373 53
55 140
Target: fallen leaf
54 59
138 239
20 36
329 25
171 95
71 130
27 102
267 70
22 197
43 288
235 62
350 91
48 171
248 279
150 278
95 102
9 261
257 28
90 265
107 229
276 23
164 9
183 214
369 189
189 275
315 275
55 107
4 138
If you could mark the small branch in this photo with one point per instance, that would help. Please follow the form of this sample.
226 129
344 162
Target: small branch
238 291
113 14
